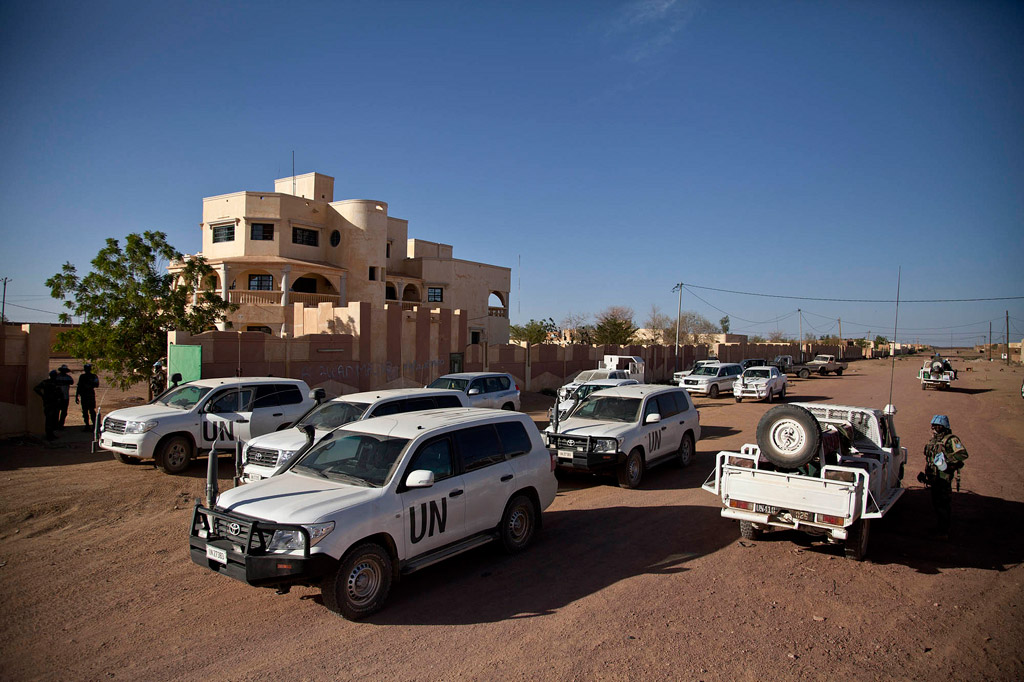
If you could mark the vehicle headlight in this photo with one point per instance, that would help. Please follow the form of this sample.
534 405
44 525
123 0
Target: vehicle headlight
284 455
288 540
606 445
139 427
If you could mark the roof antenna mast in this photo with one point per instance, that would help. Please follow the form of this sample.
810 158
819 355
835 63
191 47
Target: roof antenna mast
895 326
293 172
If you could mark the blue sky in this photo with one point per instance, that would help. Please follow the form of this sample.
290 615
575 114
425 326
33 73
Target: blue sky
613 148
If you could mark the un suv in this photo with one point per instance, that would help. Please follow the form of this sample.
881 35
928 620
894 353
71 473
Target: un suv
482 389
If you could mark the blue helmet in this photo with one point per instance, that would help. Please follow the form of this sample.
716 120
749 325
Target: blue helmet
940 420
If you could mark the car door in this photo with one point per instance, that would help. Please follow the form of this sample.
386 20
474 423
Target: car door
671 424
435 516
480 398
489 478
267 413
652 436
226 417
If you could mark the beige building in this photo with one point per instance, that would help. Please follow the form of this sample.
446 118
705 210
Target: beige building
276 254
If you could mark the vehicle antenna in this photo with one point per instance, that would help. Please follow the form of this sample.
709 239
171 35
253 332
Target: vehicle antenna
895 326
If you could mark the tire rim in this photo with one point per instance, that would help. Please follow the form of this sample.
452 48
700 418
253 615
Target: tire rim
518 524
176 456
363 582
787 436
634 469
686 451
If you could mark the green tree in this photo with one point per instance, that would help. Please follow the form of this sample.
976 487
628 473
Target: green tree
130 301
534 331
881 341
615 326
724 323
757 338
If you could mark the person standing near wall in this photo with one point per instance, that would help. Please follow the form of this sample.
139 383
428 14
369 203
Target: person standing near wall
86 392
64 382
49 391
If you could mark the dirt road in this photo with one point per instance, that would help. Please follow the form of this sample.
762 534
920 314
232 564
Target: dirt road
96 582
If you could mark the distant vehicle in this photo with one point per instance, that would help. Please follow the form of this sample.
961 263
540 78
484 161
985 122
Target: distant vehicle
753 362
821 364
710 380
677 377
582 391
611 367
760 383
266 455
588 375
483 389
936 373
825 364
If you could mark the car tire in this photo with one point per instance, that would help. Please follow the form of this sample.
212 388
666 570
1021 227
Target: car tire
804 373
174 455
631 470
686 452
748 531
739 399
788 436
839 372
770 397
125 459
856 545
508 406
518 524
782 393
713 391
360 584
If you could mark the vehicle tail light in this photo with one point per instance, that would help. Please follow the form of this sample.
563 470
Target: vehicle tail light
831 520
517 387
740 504
553 460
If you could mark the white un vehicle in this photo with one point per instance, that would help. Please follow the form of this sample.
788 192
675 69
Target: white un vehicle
824 469
189 419
625 430
379 498
265 455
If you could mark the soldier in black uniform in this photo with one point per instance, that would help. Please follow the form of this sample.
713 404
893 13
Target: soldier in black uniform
49 391
86 392
64 382
944 456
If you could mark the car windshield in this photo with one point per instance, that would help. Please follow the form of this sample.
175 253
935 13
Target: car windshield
757 374
362 459
333 414
452 384
184 397
608 408
706 371
585 390
821 358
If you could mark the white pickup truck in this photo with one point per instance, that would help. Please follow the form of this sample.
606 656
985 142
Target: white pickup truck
823 469
826 364
936 373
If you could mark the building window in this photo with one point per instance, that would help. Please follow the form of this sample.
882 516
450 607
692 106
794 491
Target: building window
387 250
435 294
373 274
261 282
224 233
335 238
261 232
258 328
301 235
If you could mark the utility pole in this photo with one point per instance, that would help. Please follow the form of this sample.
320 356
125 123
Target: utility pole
800 315
1007 337
3 305
840 338
679 314
990 340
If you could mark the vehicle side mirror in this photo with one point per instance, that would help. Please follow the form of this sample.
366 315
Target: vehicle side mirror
474 391
176 378
317 394
421 478
652 418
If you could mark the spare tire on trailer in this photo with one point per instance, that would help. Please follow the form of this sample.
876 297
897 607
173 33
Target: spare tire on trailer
936 367
789 436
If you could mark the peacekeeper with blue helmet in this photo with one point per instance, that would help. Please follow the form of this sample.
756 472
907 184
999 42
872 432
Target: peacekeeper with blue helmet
944 457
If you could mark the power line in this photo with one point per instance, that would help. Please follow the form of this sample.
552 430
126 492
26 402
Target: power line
856 300
922 329
25 307
741 319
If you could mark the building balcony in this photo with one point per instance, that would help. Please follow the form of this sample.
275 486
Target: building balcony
254 297
497 312
312 300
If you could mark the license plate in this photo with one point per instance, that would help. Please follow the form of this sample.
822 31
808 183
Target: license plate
252 477
765 509
217 554
565 454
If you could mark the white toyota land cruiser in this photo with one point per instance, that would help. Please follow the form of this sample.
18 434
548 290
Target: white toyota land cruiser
378 498
626 430
185 420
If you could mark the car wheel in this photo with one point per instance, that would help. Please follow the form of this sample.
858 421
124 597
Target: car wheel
739 399
788 436
125 459
174 455
804 373
631 469
713 391
839 372
770 397
856 545
782 393
360 584
518 524
508 406
685 452
748 531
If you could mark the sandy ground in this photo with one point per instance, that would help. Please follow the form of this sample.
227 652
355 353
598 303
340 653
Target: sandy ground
96 582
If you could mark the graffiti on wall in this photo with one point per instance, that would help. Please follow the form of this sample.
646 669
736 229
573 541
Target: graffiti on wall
350 372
